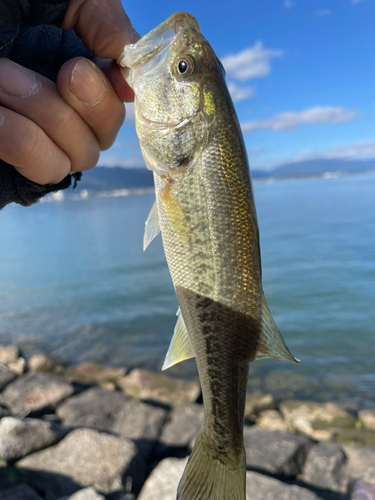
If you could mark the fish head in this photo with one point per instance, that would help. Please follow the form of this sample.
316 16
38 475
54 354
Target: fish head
173 71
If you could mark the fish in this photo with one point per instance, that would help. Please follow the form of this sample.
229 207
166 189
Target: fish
191 139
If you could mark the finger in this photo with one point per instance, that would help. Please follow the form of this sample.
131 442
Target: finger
114 74
29 149
38 99
80 82
103 26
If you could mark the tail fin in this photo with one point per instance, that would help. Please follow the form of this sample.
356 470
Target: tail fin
208 476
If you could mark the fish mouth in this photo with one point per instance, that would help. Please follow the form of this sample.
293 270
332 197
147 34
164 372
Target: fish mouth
135 55
161 125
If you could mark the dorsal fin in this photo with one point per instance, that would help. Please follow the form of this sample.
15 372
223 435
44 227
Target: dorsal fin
152 228
271 344
180 347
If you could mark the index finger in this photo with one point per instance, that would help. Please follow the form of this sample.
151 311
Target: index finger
103 26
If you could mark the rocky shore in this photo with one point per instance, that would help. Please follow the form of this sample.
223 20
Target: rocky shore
92 432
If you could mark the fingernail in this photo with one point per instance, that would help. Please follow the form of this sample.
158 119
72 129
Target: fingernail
17 81
87 84
134 35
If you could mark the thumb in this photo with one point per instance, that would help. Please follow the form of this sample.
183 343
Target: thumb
102 25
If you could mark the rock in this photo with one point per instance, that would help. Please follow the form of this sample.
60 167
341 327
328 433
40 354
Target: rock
323 467
91 373
6 376
183 426
308 416
115 412
142 384
85 457
163 481
272 420
85 494
18 366
257 403
362 491
8 354
367 418
46 363
36 393
361 463
355 437
275 452
20 492
18 437
261 487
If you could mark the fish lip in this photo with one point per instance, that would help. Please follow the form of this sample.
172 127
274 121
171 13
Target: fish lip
135 55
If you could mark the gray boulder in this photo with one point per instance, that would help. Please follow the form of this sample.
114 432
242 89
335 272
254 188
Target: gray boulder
6 376
35 394
261 487
362 491
85 457
115 412
324 467
163 481
276 452
361 463
85 494
18 437
181 429
20 492
8 354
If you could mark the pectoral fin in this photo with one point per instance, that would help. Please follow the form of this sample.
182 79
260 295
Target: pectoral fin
180 347
152 228
271 344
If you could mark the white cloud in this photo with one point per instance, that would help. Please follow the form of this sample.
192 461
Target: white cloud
288 4
240 93
253 62
323 12
357 151
291 120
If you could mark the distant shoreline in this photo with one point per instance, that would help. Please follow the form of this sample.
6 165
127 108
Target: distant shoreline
86 194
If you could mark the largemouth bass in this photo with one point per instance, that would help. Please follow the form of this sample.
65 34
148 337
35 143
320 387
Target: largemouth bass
191 139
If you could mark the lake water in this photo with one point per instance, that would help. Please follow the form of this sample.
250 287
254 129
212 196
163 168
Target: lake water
74 282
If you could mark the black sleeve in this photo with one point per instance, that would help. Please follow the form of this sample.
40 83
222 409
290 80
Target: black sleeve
30 35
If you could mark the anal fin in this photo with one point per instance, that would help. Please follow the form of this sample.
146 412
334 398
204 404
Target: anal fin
180 347
271 344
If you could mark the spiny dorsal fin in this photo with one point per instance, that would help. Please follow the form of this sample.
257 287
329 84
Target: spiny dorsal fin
271 344
152 228
180 347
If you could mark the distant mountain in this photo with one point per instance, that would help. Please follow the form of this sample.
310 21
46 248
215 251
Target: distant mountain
316 168
108 179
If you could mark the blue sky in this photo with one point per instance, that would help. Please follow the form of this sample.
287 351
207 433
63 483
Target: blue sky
301 73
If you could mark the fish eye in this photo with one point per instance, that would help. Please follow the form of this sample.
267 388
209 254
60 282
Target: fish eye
185 66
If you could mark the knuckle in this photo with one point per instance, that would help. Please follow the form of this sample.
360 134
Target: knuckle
88 159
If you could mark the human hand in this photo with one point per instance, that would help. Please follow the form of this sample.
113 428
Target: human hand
48 130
